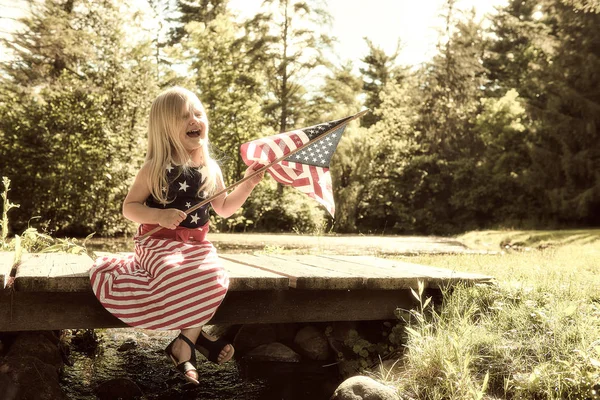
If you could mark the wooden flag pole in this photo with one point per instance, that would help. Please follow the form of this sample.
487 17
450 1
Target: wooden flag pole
263 168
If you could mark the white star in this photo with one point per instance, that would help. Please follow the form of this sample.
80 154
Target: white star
195 218
183 186
169 167
188 204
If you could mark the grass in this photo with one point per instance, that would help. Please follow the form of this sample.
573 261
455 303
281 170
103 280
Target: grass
535 334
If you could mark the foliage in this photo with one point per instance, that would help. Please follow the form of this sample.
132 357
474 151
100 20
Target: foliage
229 87
531 335
290 211
71 118
290 42
31 240
379 69
498 129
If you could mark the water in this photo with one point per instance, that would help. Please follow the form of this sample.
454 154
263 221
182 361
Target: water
147 365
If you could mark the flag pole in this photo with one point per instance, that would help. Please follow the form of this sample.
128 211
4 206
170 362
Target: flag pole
262 169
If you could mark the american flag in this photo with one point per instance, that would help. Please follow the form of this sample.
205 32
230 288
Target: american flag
308 169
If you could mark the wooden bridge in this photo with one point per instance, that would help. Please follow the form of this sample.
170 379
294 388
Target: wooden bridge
52 291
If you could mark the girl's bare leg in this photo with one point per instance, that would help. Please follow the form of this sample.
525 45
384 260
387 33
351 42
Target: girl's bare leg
182 351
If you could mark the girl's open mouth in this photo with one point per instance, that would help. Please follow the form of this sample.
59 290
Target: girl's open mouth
193 134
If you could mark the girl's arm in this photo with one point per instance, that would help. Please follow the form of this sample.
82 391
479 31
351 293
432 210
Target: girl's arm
135 210
226 204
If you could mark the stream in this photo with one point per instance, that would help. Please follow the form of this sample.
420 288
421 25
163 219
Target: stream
139 355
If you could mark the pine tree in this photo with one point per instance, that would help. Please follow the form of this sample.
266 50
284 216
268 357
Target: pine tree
290 35
379 69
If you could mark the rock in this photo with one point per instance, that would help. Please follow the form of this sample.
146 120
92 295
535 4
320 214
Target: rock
8 389
119 388
363 388
251 336
128 345
273 352
38 345
34 379
312 343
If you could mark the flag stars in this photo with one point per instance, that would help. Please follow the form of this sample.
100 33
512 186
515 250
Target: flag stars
188 204
169 168
195 218
183 186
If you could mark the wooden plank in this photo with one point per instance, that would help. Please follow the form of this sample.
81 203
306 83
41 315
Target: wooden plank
432 276
53 272
6 263
60 272
375 278
243 277
301 276
21 311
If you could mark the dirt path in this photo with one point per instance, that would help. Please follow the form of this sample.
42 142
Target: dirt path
338 244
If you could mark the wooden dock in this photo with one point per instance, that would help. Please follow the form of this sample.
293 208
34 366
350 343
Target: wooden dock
52 291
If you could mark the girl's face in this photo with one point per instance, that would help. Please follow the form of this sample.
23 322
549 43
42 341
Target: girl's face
195 131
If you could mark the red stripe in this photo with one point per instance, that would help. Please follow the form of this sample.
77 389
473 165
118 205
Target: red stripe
174 320
143 293
194 323
159 305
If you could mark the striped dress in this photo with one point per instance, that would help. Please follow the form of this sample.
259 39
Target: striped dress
173 280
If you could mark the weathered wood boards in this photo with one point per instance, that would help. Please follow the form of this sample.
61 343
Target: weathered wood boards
52 291
352 272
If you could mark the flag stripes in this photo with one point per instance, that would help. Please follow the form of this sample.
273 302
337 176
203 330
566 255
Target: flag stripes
313 180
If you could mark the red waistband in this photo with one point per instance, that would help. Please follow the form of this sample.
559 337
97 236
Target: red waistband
180 233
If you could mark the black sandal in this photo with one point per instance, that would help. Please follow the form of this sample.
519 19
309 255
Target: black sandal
211 349
185 366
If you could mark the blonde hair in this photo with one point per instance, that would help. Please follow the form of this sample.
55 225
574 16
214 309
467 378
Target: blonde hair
164 145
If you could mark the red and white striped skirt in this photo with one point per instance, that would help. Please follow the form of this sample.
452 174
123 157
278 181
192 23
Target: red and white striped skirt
173 280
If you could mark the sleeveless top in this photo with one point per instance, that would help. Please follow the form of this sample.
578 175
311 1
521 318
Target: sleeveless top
182 194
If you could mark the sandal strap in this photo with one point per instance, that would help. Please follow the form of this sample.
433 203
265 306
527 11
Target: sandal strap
185 367
187 340
210 349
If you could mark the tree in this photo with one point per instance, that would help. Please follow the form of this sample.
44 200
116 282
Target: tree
551 45
379 69
187 11
289 34
72 116
229 85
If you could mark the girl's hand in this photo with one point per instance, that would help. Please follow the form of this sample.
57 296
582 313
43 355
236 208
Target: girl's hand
257 178
170 218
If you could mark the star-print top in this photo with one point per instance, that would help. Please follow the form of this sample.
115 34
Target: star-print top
182 194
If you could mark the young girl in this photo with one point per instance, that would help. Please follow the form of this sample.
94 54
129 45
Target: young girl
173 280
